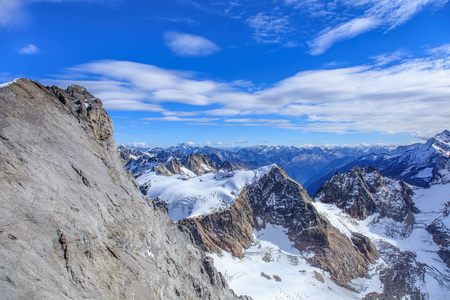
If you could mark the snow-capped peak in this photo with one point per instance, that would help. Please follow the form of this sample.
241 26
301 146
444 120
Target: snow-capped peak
200 194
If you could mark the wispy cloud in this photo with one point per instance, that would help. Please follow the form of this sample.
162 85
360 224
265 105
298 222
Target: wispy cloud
178 119
439 51
269 29
139 145
387 58
184 44
410 95
383 14
29 49
180 20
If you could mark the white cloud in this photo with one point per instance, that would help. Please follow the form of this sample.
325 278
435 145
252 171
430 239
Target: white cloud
178 119
29 50
269 29
425 135
345 31
387 58
384 14
408 96
440 51
139 145
184 44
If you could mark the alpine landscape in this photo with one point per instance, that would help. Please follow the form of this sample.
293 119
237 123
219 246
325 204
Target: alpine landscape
236 149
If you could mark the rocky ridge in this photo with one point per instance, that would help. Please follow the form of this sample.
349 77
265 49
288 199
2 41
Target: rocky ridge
362 192
74 224
417 164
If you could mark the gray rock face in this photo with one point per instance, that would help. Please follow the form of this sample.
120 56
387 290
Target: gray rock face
401 276
74 224
361 192
200 164
441 234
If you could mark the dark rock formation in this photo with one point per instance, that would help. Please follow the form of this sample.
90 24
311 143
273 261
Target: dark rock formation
365 246
227 167
200 164
74 224
174 166
162 170
441 236
361 192
401 277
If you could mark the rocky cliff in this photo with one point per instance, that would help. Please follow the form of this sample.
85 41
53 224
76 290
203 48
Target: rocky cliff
200 164
279 200
74 224
361 192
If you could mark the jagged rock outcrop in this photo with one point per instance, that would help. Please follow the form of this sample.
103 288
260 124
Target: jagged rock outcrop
74 224
365 246
401 277
361 192
86 107
227 167
160 169
200 164
174 166
441 234
230 229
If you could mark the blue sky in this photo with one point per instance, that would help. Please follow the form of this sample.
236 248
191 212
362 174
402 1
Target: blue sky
243 72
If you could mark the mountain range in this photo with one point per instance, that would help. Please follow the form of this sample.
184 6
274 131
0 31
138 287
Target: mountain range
417 164
359 234
83 220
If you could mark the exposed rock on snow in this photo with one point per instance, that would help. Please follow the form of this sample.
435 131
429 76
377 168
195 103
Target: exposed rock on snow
402 277
200 164
230 229
74 224
227 167
361 192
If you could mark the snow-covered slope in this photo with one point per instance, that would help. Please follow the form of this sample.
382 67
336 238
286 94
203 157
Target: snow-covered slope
191 195
278 263
409 267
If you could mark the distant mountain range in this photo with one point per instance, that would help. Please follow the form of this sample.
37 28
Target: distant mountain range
417 164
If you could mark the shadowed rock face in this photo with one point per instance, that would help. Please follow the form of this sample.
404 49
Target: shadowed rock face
277 199
230 230
361 192
200 164
441 234
74 224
